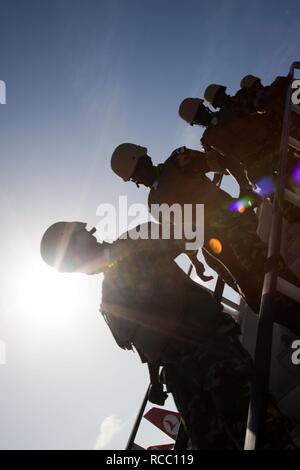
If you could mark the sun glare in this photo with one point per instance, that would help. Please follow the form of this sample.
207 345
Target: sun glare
46 298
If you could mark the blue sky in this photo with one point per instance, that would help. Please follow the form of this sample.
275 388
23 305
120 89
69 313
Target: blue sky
82 77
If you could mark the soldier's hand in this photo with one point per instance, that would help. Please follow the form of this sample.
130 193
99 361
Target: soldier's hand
157 395
204 277
200 268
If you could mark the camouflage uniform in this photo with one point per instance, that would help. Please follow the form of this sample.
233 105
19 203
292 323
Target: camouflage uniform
254 140
152 306
181 180
212 396
147 299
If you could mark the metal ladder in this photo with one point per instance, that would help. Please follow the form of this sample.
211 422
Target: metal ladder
272 284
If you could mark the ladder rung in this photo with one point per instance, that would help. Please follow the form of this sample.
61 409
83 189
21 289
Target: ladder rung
294 143
296 108
288 289
291 197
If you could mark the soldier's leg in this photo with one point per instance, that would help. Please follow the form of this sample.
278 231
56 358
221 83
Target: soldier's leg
277 429
229 382
230 386
203 426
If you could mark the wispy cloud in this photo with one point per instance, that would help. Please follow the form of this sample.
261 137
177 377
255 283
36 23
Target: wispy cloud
109 427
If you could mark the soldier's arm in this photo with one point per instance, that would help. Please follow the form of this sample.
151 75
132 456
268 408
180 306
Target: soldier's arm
192 161
175 247
199 267
169 245
216 162
204 143
237 170
227 164
199 163
239 173
221 269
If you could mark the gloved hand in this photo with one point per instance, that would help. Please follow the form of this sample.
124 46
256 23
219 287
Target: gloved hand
157 395
199 267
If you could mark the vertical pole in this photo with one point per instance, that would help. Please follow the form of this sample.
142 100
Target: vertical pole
137 422
219 288
181 439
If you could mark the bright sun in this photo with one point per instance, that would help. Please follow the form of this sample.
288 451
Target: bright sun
48 298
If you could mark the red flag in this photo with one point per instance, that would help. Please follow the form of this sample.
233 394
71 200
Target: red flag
161 447
167 421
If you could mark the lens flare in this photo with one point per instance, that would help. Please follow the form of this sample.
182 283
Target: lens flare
215 245
266 186
241 205
296 174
